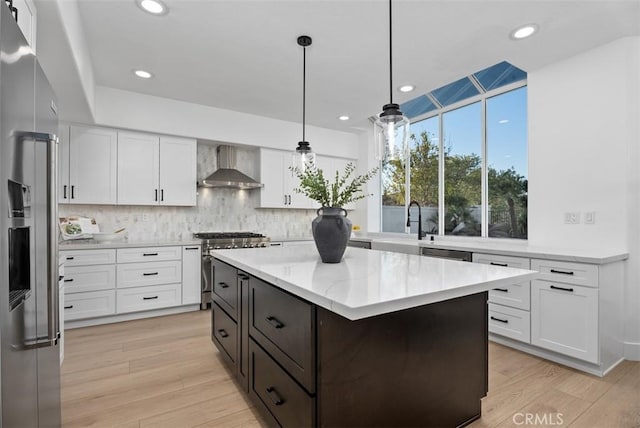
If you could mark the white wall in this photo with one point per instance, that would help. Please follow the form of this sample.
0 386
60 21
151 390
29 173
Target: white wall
124 109
583 156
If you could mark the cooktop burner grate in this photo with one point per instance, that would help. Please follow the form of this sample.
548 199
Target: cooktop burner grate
227 235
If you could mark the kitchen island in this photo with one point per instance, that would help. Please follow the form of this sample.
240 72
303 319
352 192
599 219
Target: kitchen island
380 339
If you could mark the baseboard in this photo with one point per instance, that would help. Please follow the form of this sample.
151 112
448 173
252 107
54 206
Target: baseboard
584 366
68 325
632 351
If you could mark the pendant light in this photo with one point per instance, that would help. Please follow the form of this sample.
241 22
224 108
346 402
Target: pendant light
391 128
304 156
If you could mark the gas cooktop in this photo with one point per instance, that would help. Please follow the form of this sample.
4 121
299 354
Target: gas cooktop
230 240
227 235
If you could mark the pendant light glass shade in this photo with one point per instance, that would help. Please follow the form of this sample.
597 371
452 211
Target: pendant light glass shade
304 157
391 128
391 133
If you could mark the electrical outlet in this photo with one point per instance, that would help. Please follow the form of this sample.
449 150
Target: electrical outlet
145 217
590 217
572 218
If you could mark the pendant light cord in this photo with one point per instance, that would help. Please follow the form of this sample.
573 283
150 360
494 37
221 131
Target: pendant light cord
304 87
390 59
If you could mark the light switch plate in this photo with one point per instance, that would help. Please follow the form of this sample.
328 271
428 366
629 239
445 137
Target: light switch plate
590 217
572 218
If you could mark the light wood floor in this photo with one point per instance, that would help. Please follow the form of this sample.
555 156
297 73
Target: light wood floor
165 372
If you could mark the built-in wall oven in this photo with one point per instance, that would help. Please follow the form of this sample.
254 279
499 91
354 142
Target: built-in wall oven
223 240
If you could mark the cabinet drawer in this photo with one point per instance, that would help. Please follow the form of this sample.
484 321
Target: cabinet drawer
287 402
564 318
225 286
89 278
568 272
152 273
515 295
89 304
225 334
145 298
285 326
504 261
88 257
149 254
510 322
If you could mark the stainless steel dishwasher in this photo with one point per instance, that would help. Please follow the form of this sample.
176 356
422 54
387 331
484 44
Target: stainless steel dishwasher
441 253
359 244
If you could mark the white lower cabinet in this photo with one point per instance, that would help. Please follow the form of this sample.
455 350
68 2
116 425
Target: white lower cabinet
569 314
89 278
191 265
509 304
146 298
89 304
151 273
149 254
510 322
101 283
88 257
564 318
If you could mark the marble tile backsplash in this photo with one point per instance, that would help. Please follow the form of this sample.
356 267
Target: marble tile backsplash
217 210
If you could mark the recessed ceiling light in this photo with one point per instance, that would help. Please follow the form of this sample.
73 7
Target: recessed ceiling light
143 74
524 31
406 88
344 117
154 7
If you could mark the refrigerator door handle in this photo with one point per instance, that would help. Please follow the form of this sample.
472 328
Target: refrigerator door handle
41 342
53 321
36 136
53 317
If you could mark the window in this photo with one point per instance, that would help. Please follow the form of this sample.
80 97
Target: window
424 146
507 164
468 160
463 170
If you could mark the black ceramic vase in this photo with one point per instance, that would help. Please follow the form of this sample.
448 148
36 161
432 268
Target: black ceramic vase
331 231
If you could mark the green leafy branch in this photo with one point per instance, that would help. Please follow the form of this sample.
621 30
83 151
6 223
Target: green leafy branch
337 193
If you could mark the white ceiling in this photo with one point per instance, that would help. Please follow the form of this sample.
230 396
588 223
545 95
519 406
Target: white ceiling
242 55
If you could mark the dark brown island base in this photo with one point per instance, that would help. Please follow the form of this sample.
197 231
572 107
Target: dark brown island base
303 365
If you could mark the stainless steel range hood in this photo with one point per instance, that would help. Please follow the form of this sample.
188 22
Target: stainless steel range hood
227 175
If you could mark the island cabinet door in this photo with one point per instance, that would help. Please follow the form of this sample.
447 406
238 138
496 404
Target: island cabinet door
225 287
224 332
284 326
282 400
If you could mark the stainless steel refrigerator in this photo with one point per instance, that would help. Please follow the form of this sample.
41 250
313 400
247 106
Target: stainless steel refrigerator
29 323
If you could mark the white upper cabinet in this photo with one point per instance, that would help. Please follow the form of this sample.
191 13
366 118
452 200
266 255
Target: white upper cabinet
63 165
279 181
156 170
177 171
27 20
138 169
272 195
92 166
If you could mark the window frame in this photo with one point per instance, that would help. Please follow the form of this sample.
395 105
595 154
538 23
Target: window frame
484 185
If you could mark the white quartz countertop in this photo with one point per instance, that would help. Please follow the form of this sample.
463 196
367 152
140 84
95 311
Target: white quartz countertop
368 282
90 244
510 247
